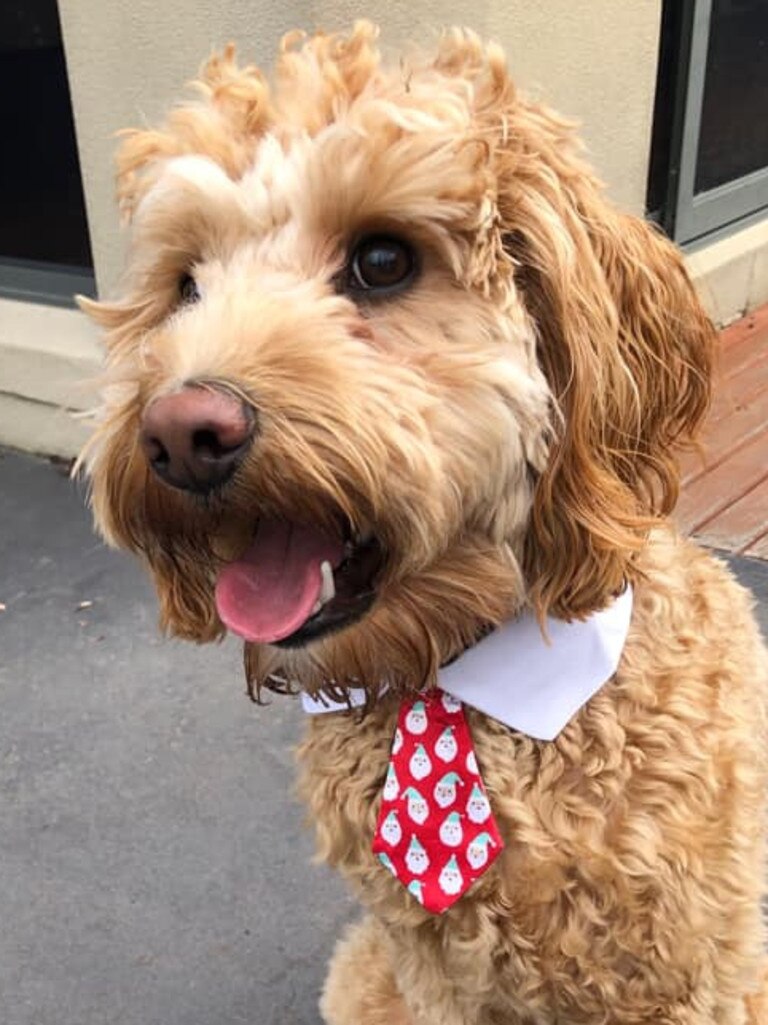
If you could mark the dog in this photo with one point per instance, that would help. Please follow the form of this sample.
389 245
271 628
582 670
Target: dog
387 374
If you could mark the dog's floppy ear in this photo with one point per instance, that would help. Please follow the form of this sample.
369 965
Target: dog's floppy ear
626 348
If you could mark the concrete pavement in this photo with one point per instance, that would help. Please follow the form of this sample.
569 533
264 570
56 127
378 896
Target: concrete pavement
153 869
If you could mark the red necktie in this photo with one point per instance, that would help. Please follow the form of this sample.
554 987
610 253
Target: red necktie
436 832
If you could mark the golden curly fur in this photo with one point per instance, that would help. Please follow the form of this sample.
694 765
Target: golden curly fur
507 428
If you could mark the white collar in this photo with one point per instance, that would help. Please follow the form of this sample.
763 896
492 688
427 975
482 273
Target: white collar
529 683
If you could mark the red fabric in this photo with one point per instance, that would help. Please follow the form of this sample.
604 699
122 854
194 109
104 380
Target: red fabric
436 832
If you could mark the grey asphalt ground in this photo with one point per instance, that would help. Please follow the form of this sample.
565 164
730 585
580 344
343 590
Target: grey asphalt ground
153 868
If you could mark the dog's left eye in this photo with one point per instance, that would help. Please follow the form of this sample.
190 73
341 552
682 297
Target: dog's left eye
188 291
381 264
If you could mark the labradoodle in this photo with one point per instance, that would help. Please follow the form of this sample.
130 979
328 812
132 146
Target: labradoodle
389 382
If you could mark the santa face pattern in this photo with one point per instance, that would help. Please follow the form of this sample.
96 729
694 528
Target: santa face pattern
446 748
477 851
478 808
391 787
451 832
416 719
417 858
435 832
449 703
417 807
451 880
391 832
419 765
445 789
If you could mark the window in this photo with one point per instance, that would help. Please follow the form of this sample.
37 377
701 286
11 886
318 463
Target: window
45 251
709 161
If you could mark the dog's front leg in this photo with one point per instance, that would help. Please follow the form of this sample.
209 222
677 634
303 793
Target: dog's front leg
361 987
370 973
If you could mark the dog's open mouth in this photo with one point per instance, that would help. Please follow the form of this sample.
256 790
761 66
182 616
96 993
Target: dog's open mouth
297 583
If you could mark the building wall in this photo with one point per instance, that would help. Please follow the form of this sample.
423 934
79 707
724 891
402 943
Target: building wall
592 59
127 63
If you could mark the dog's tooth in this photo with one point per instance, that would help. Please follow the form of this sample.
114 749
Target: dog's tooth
328 590
316 607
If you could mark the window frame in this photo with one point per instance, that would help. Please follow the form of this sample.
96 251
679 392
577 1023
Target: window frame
26 277
692 216
52 284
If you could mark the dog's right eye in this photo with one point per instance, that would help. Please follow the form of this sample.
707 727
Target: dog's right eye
188 290
381 265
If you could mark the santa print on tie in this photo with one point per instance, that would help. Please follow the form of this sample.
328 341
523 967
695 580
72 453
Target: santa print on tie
435 831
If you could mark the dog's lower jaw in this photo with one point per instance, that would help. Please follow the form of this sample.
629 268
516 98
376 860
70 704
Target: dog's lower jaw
415 626
641 827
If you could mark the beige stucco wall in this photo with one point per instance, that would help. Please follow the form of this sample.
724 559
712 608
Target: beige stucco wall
593 59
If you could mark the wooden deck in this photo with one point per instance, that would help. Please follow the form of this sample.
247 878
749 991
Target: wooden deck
724 502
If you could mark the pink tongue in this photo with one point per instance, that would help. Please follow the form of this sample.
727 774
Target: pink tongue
270 591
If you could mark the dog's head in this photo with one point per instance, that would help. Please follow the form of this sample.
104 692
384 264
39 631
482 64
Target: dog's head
386 366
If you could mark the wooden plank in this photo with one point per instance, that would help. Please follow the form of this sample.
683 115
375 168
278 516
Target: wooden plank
693 463
724 500
748 382
722 437
741 341
740 405
715 490
759 548
755 323
740 355
741 525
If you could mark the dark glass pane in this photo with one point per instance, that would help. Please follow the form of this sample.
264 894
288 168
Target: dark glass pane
42 211
734 120
664 154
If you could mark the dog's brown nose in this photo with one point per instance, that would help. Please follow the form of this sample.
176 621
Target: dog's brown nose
195 438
